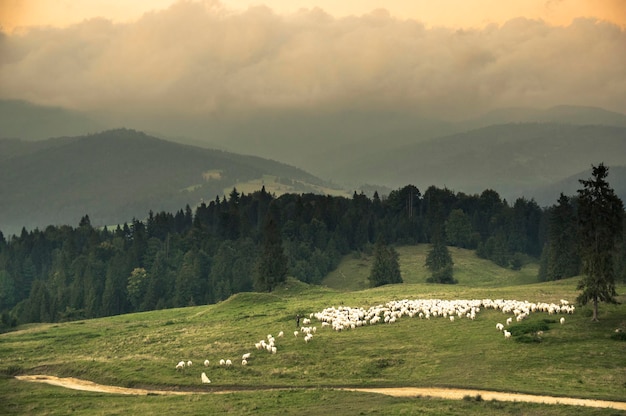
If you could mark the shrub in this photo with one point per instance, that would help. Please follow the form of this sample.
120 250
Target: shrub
532 328
619 336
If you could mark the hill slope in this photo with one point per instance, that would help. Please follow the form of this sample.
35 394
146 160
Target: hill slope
142 349
117 175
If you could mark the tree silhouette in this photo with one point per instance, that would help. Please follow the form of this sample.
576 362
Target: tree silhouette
386 268
439 261
600 214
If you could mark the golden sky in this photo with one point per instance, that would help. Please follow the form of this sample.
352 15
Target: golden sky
449 13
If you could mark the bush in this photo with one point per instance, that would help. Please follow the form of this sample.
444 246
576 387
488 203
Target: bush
619 336
532 328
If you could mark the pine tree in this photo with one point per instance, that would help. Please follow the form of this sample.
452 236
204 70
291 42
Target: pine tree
386 267
600 214
439 261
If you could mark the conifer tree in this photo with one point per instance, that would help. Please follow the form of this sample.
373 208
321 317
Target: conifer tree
386 267
439 261
600 216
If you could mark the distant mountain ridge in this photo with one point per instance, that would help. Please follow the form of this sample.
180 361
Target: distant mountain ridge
514 159
515 151
562 114
116 175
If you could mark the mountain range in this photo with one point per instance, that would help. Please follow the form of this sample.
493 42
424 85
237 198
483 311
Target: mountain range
118 175
55 169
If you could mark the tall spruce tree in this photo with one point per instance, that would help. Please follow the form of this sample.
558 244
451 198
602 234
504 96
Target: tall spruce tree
386 267
600 214
439 261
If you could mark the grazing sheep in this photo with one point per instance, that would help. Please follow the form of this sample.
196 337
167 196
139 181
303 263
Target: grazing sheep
562 320
295 333
499 326
206 363
189 363
274 350
228 363
244 362
246 356
180 365
508 321
451 318
507 334
281 334
222 362
204 378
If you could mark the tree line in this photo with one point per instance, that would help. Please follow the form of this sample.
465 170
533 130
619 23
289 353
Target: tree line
244 242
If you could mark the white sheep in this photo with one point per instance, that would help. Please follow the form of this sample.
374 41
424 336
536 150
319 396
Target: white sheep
499 326
189 363
222 362
180 365
228 363
508 321
280 334
204 378
451 318
244 362
562 320
295 333
507 334
246 356
206 363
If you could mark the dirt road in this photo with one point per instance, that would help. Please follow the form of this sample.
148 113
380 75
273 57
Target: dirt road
442 393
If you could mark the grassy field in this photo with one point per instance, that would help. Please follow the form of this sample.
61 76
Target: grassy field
577 359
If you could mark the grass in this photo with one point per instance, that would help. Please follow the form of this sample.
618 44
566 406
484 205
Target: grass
578 359
469 270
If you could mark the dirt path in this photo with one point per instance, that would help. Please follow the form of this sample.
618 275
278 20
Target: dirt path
441 393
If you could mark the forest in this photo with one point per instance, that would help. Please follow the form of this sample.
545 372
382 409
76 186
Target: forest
203 256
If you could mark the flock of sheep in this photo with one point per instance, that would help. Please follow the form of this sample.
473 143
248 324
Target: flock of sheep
347 318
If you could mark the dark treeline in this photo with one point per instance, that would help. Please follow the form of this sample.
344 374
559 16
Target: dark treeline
189 258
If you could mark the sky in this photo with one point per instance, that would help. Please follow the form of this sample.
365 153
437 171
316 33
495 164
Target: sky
448 59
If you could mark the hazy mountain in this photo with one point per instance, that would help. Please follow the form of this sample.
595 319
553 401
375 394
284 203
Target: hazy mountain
117 175
345 146
513 159
563 114
24 120
548 195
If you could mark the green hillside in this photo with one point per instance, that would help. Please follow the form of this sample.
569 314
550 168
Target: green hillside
577 359
469 270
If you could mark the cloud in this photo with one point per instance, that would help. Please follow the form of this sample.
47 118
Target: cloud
199 59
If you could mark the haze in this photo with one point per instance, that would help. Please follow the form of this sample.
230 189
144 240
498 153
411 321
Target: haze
164 65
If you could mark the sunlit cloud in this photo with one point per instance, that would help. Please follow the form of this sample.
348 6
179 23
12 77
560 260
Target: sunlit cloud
200 59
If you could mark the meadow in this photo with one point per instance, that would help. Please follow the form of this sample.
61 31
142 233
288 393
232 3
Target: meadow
576 359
